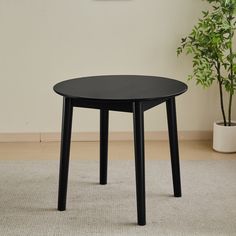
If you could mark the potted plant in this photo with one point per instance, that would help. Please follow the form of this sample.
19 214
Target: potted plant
211 45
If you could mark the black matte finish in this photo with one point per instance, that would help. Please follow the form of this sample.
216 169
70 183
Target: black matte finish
174 149
127 93
104 125
67 114
120 88
139 161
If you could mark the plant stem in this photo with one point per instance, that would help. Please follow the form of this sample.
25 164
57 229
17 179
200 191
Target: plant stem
230 107
231 82
221 92
222 103
231 72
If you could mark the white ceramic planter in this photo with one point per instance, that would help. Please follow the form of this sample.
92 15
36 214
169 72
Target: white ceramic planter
224 137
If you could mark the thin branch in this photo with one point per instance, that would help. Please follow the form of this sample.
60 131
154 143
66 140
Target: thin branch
218 68
231 76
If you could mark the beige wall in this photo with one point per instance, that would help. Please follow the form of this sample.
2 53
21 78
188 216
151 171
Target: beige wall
46 41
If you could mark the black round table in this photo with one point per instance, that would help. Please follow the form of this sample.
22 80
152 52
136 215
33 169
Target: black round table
127 93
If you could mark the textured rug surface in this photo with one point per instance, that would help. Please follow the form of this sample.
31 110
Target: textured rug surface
28 199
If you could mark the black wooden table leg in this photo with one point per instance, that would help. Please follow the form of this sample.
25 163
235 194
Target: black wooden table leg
174 149
104 125
65 152
139 161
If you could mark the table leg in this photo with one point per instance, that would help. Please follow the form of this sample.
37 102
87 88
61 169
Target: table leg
174 149
104 126
65 152
139 161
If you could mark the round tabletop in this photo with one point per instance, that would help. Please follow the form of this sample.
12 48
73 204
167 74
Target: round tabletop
120 88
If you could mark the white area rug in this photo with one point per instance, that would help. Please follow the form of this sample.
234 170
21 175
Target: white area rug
28 199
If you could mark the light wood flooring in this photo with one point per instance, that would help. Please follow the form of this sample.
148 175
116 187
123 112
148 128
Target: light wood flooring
189 150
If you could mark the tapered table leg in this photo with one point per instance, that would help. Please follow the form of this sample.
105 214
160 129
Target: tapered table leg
65 152
139 161
174 149
104 125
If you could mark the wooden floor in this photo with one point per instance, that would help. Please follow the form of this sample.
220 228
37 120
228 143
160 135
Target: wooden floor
189 150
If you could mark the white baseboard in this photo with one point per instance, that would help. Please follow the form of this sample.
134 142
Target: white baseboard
94 136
